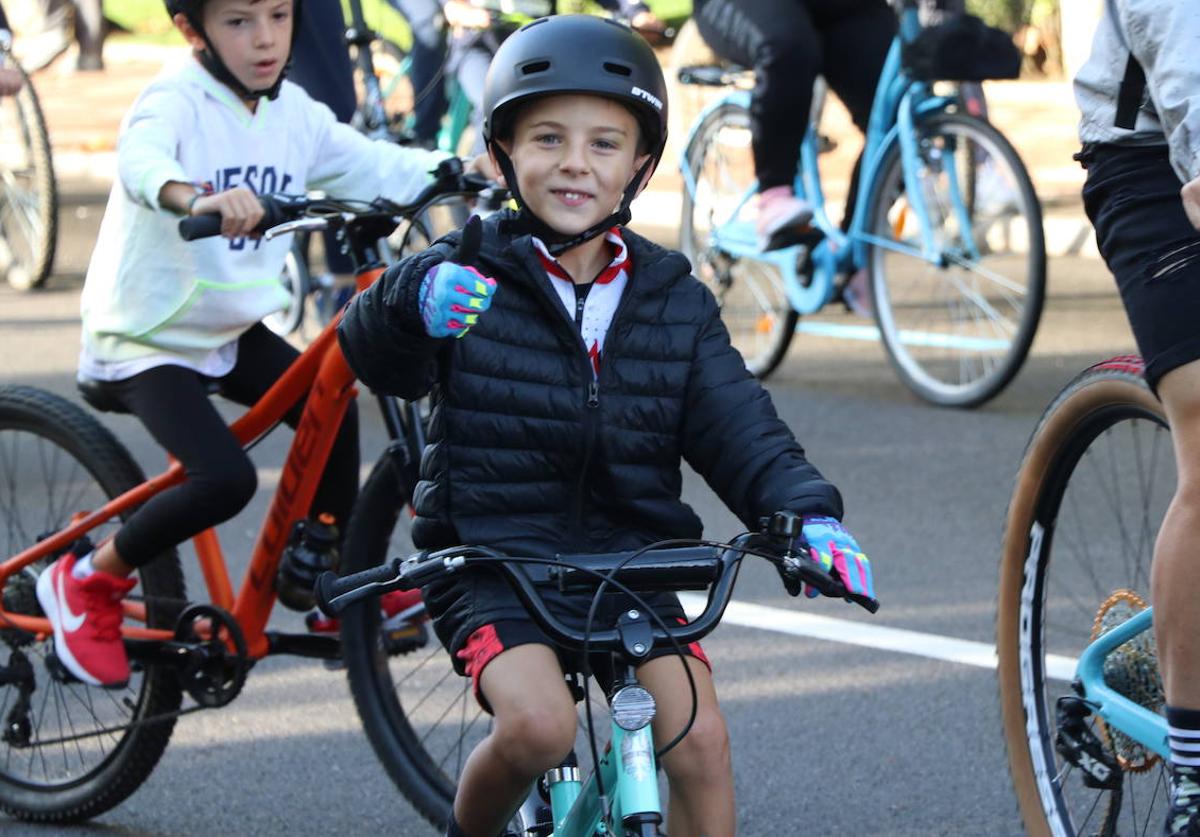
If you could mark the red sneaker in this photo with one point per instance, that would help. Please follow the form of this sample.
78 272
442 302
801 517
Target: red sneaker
86 615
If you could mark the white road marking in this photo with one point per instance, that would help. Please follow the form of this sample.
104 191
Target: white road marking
933 646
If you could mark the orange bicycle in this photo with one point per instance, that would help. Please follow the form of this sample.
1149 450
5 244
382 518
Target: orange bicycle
69 751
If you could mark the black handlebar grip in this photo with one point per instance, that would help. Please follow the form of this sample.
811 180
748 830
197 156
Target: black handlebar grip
334 594
200 226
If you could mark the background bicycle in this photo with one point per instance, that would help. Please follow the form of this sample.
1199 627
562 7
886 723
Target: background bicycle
946 224
72 751
28 190
1091 493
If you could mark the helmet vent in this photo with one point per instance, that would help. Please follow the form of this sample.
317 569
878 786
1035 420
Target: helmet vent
531 67
618 69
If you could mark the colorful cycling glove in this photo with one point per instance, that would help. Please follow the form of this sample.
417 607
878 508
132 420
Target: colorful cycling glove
838 553
452 297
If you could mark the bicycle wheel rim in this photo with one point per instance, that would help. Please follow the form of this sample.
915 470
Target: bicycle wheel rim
1093 489
296 283
55 462
28 198
751 294
957 332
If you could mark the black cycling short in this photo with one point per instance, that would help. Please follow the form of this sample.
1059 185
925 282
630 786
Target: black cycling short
486 639
1132 198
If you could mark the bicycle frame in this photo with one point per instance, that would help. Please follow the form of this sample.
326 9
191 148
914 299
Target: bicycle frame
899 104
1146 727
628 770
320 372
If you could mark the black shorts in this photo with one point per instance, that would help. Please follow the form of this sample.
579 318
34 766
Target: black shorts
1132 198
486 641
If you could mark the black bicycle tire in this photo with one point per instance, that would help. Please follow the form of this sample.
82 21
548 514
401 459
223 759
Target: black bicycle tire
877 206
43 262
380 502
1097 399
131 761
693 155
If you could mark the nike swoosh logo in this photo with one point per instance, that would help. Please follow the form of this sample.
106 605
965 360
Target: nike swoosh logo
70 621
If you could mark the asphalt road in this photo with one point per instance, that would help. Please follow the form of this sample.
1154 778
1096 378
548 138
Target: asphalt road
829 738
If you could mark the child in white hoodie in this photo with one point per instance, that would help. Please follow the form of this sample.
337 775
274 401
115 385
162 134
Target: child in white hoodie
162 318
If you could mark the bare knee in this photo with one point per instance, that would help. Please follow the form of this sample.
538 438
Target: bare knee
702 752
535 737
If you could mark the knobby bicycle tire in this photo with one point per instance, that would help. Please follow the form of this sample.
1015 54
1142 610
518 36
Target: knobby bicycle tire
769 309
43 434
399 746
1103 439
420 716
994 320
33 267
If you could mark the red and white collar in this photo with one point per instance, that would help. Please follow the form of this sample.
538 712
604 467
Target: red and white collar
620 262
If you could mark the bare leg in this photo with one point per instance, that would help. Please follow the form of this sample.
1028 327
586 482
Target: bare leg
533 732
699 770
1175 576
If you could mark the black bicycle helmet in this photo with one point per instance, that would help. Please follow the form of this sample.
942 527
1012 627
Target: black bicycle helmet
576 54
193 10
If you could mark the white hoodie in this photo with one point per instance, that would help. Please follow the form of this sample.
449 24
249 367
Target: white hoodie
150 298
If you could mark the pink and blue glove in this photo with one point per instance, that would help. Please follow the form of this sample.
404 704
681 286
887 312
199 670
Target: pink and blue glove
836 551
452 297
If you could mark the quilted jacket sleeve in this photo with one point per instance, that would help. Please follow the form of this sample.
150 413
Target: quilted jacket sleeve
734 438
382 335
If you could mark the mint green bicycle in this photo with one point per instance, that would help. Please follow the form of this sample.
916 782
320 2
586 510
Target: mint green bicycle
430 722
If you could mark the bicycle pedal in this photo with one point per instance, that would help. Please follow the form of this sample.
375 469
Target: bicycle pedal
57 671
405 639
807 236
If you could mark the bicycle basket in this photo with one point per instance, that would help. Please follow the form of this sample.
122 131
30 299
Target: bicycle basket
963 48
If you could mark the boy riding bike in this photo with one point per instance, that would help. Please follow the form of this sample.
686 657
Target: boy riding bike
1139 93
163 320
591 364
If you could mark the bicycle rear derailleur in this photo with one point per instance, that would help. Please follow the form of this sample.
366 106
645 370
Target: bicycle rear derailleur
1079 746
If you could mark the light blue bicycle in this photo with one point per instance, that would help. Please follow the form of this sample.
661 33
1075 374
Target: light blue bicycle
945 222
1080 691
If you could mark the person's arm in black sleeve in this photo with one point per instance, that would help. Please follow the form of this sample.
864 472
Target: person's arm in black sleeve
382 335
734 438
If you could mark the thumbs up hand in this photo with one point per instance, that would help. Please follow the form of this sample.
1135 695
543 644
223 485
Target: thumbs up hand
453 294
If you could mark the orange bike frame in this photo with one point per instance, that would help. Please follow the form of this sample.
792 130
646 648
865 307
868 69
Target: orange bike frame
322 373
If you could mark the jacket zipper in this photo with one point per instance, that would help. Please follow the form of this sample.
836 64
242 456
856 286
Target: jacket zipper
591 416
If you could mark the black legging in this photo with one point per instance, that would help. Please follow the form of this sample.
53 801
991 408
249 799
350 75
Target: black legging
173 403
789 43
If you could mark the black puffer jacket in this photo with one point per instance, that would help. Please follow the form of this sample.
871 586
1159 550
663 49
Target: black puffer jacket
529 455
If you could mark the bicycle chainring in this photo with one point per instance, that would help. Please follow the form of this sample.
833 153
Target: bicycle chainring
1131 670
213 674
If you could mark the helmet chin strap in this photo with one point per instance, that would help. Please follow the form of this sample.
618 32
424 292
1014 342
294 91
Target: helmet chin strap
555 241
211 61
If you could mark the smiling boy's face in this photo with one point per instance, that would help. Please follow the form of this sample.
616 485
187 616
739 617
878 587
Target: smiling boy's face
574 154
252 37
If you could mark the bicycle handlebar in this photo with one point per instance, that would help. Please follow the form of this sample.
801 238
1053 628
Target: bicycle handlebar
712 566
321 213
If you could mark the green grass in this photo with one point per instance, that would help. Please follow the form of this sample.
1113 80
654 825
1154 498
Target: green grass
148 18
